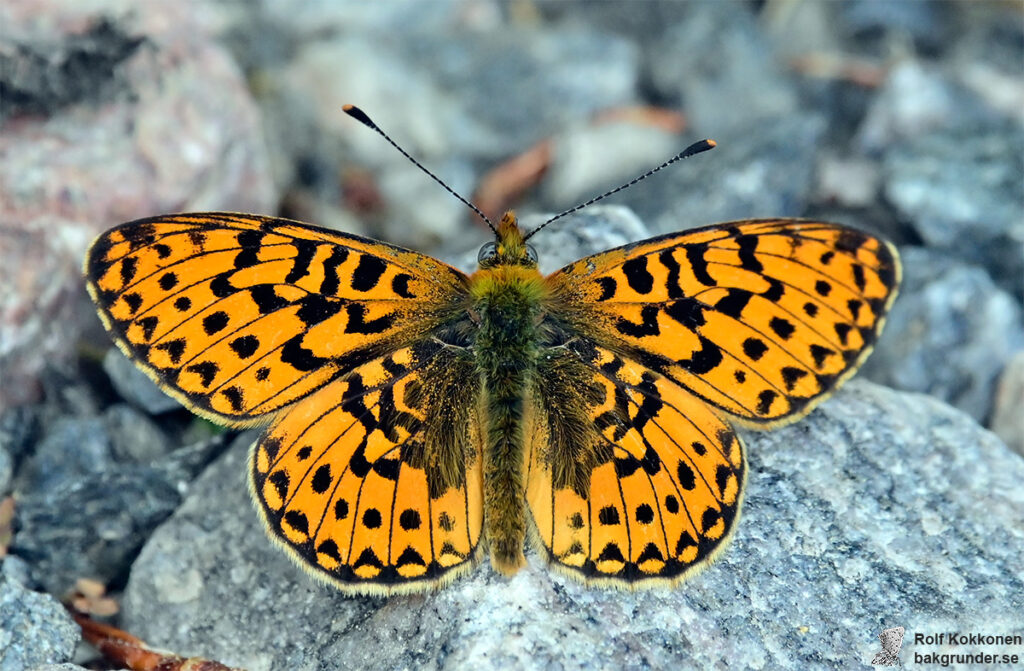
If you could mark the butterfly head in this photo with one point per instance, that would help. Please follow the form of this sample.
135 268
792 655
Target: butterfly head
509 249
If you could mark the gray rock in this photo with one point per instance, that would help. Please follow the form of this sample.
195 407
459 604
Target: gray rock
722 68
133 436
71 449
92 523
135 386
34 628
950 333
882 506
962 192
146 113
6 470
19 431
57 667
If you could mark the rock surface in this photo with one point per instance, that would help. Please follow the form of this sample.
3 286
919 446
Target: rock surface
111 111
34 628
950 333
880 508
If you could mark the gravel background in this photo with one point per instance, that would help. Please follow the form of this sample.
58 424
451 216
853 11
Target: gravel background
903 118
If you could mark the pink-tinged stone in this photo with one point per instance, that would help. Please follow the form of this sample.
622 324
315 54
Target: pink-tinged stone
115 111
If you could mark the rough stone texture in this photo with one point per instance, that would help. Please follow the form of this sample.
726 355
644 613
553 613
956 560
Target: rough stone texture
90 522
717 62
113 110
949 334
135 386
881 508
34 628
1008 411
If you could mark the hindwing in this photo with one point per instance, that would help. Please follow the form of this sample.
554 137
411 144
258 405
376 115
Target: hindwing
375 482
663 481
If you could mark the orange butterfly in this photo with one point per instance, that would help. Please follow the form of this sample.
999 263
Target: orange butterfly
419 416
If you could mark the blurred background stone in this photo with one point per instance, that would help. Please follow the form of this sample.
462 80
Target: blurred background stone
950 333
111 111
135 386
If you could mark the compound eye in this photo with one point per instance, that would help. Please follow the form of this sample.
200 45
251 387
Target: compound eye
487 252
531 253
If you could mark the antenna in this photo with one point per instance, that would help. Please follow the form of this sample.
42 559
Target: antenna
361 116
695 148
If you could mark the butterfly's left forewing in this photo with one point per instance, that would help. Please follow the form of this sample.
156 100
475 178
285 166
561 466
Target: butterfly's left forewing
238 315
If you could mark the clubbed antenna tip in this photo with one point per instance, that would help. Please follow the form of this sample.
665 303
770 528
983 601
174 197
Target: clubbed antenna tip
363 118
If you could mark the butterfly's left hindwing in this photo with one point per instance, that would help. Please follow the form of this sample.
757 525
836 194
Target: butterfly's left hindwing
761 318
237 316
375 482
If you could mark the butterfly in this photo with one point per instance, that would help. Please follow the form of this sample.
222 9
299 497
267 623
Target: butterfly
418 417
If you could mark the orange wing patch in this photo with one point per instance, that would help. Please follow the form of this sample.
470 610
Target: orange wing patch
664 503
237 316
344 479
760 318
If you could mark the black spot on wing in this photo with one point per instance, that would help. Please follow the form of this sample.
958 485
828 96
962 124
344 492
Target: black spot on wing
858 277
305 251
245 346
206 370
321 481
754 348
637 275
782 327
400 285
764 401
699 267
608 286
215 322
168 281
331 282
134 302
367 273
703 360
648 325
357 320
315 308
791 375
748 253
668 260
129 267
298 357
687 311
733 303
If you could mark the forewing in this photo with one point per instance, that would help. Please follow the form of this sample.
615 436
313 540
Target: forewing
239 315
663 499
375 481
761 318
